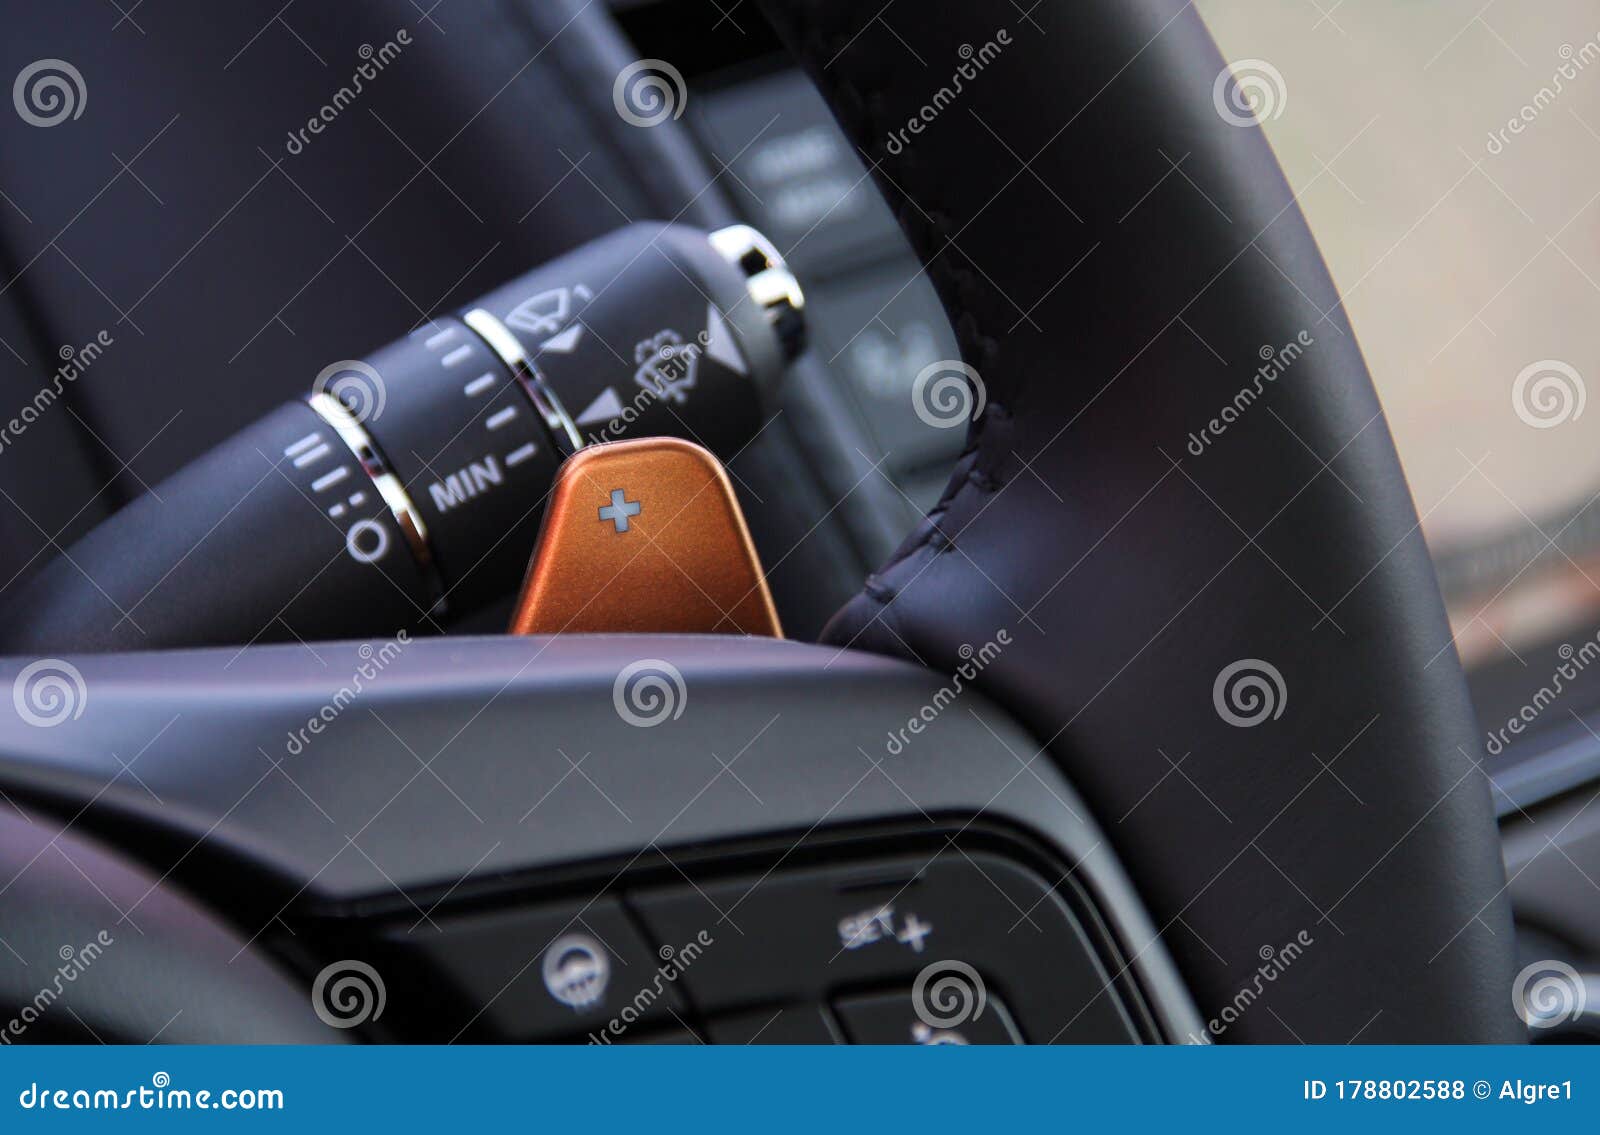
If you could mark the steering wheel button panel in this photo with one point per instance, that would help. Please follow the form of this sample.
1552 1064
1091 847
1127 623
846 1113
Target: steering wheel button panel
969 920
786 1024
948 1013
558 972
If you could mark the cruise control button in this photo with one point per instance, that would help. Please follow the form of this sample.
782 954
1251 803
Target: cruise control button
551 972
792 1024
674 1036
893 1018
807 935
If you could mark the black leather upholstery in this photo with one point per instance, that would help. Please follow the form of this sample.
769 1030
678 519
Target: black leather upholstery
1113 294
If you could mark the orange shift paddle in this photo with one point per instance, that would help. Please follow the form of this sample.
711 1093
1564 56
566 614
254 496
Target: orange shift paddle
644 536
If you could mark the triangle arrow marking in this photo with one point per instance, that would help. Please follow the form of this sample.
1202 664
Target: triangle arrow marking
720 344
602 409
565 341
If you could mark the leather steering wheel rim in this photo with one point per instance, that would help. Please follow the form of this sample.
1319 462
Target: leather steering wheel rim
1152 523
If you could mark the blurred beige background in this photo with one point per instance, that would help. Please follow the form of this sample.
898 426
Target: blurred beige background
1460 266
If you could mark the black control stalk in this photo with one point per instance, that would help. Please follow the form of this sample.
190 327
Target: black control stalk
408 487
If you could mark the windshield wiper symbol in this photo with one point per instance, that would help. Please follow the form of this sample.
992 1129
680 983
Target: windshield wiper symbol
549 311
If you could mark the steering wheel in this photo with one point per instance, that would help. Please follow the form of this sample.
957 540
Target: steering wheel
1255 626
1177 557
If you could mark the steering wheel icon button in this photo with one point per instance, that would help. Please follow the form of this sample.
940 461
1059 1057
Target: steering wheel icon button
551 972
